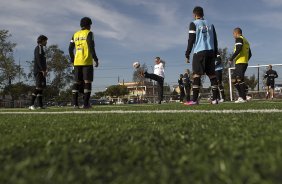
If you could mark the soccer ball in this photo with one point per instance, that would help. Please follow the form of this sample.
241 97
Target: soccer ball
136 65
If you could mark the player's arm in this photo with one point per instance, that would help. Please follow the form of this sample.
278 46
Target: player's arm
71 49
265 75
91 45
191 39
163 62
215 42
276 75
39 57
238 48
250 53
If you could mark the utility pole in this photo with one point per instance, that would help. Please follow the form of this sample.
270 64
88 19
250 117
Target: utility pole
19 70
258 77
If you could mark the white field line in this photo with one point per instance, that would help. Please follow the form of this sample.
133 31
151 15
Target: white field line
254 111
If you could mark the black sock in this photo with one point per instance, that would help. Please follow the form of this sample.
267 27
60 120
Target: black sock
40 98
75 90
75 98
242 89
87 93
221 90
196 94
34 95
214 86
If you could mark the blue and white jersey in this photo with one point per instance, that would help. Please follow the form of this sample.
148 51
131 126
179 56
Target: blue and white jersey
204 36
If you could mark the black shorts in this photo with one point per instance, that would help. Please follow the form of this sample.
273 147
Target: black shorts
239 72
218 74
82 73
270 83
40 80
203 63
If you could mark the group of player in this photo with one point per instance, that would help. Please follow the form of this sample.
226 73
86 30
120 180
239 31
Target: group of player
83 61
206 60
203 41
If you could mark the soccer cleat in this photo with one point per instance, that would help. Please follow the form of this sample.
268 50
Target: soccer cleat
240 100
41 108
214 102
75 107
31 107
221 101
248 98
191 103
87 107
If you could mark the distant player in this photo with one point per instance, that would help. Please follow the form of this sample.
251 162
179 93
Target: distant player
270 77
181 87
242 54
158 76
83 60
187 85
218 73
40 71
202 37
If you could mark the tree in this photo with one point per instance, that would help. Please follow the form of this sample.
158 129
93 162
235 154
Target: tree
251 81
117 90
17 90
8 69
59 67
100 94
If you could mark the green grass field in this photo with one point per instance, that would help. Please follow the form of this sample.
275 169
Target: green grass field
138 148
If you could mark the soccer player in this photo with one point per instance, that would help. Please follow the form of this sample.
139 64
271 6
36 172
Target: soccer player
83 60
202 36
187 85
218 73
242 54
158 76
181 88
40 71
270 76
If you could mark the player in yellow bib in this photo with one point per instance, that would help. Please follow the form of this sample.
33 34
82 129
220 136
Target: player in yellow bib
83 60
241 56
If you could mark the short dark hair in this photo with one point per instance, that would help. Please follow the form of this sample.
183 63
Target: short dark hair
41 38
238 30
158 58
199 11
85 22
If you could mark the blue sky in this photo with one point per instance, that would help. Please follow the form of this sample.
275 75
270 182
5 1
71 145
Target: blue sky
138 30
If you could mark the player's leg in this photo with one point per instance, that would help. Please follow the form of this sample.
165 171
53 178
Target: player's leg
78 78
187 93
41 88
160 84
242 84
221 95
210 71
198 67
272 91
88 78
239 83
37 91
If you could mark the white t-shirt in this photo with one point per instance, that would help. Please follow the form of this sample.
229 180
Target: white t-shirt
159 69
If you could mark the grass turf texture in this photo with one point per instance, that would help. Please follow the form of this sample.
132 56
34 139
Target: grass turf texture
143 148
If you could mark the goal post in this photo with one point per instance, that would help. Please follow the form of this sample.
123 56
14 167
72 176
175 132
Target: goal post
257 67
